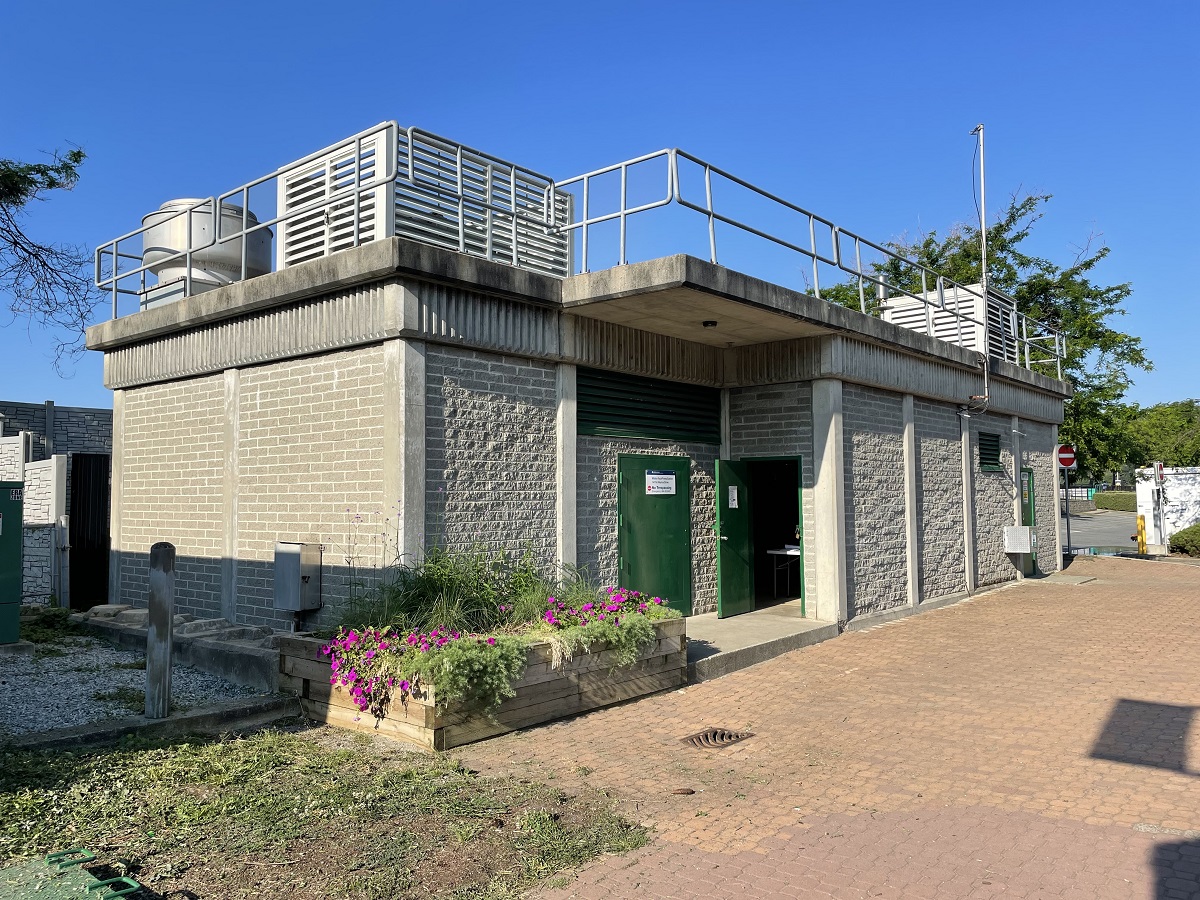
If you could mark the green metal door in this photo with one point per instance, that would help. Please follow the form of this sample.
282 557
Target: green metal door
654 527
735 578
11 531
1028 508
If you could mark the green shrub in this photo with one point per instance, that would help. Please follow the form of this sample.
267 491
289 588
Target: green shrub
1124 501
1187 541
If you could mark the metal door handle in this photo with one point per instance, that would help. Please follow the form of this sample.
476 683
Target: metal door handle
722 537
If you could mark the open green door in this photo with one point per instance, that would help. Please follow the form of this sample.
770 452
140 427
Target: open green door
654 527
735 565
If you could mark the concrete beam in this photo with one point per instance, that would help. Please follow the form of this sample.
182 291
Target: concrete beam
968 501
357 266
828 556
912 524
229 494
404 443
567 441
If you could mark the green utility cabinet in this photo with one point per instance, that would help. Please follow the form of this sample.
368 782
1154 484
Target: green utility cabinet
12 495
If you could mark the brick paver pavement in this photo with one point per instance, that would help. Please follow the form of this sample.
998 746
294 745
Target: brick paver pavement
1037 741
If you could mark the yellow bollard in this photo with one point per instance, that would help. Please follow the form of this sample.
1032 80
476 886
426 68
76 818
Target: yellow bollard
1141 535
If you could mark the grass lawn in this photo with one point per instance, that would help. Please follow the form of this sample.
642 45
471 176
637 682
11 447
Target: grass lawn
302 813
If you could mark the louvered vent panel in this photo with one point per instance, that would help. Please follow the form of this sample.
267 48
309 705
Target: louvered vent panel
613 404
321 227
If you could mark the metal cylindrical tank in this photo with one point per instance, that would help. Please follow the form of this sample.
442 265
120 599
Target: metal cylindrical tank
215 265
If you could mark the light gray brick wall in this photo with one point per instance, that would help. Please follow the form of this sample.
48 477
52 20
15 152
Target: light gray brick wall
596 499
941 552
310 450
995 493
876 562
39 493
36 582
1037 448
172 489
12 459
490 452
776 420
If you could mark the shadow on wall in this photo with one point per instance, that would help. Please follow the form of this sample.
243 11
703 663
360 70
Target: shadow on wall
1176 870
1147 734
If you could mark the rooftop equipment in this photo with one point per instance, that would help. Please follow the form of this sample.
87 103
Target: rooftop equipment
957 315
179 225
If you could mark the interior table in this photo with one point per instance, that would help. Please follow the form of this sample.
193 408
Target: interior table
789 555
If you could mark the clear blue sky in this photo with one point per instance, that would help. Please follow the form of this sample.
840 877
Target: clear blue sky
860 112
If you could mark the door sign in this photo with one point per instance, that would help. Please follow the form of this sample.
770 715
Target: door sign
733 498
660 482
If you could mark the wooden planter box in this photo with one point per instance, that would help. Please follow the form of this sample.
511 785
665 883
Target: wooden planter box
584 682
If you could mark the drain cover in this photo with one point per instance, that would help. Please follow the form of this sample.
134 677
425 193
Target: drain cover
716 738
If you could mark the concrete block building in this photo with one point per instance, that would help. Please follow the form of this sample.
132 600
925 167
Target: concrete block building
433 361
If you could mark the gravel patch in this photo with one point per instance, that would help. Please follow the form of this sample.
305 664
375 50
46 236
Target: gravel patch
60 691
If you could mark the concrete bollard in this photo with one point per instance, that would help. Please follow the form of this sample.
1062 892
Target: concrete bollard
158 634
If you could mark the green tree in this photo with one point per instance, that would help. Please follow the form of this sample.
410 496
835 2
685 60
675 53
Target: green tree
1100 357
1169 432
47 284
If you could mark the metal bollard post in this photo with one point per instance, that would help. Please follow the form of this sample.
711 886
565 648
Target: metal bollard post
158 634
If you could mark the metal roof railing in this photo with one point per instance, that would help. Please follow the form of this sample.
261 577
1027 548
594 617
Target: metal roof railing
995 326
380 182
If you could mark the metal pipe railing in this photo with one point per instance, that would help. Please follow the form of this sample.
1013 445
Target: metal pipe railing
1003 331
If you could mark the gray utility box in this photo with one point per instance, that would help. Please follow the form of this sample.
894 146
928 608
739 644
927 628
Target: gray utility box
297 576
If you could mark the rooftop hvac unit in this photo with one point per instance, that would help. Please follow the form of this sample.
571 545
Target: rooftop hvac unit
959 320
430 190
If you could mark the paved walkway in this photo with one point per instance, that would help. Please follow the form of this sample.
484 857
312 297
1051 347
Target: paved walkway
1038 741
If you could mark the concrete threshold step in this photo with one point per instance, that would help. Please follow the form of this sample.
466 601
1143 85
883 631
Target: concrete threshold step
703 664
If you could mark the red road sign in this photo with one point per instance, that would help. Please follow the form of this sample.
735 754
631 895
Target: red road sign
1066 456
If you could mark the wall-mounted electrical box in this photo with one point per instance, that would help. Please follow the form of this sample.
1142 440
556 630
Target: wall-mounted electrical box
297 576
1018 539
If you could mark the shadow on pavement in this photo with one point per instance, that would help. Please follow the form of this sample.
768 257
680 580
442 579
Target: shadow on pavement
1177 870
1146 734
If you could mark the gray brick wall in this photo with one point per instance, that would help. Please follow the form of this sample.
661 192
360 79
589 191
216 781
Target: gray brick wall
172 489
994 496
29 417
490 452
776 420
596 499
310 449
77 429
873 433
941 554
36 582
1037 448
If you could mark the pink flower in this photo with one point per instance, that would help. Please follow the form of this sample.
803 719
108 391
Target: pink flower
491 641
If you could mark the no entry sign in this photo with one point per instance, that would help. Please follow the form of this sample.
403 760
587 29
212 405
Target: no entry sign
1066 456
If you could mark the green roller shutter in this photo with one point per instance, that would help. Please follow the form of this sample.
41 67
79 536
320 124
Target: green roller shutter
613 404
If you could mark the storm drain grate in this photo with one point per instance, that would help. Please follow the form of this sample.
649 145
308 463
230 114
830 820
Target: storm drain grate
716 738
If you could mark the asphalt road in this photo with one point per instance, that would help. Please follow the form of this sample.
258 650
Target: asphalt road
1103 528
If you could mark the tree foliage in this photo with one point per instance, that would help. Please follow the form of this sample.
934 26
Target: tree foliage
46 283
1167 432
1100 358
